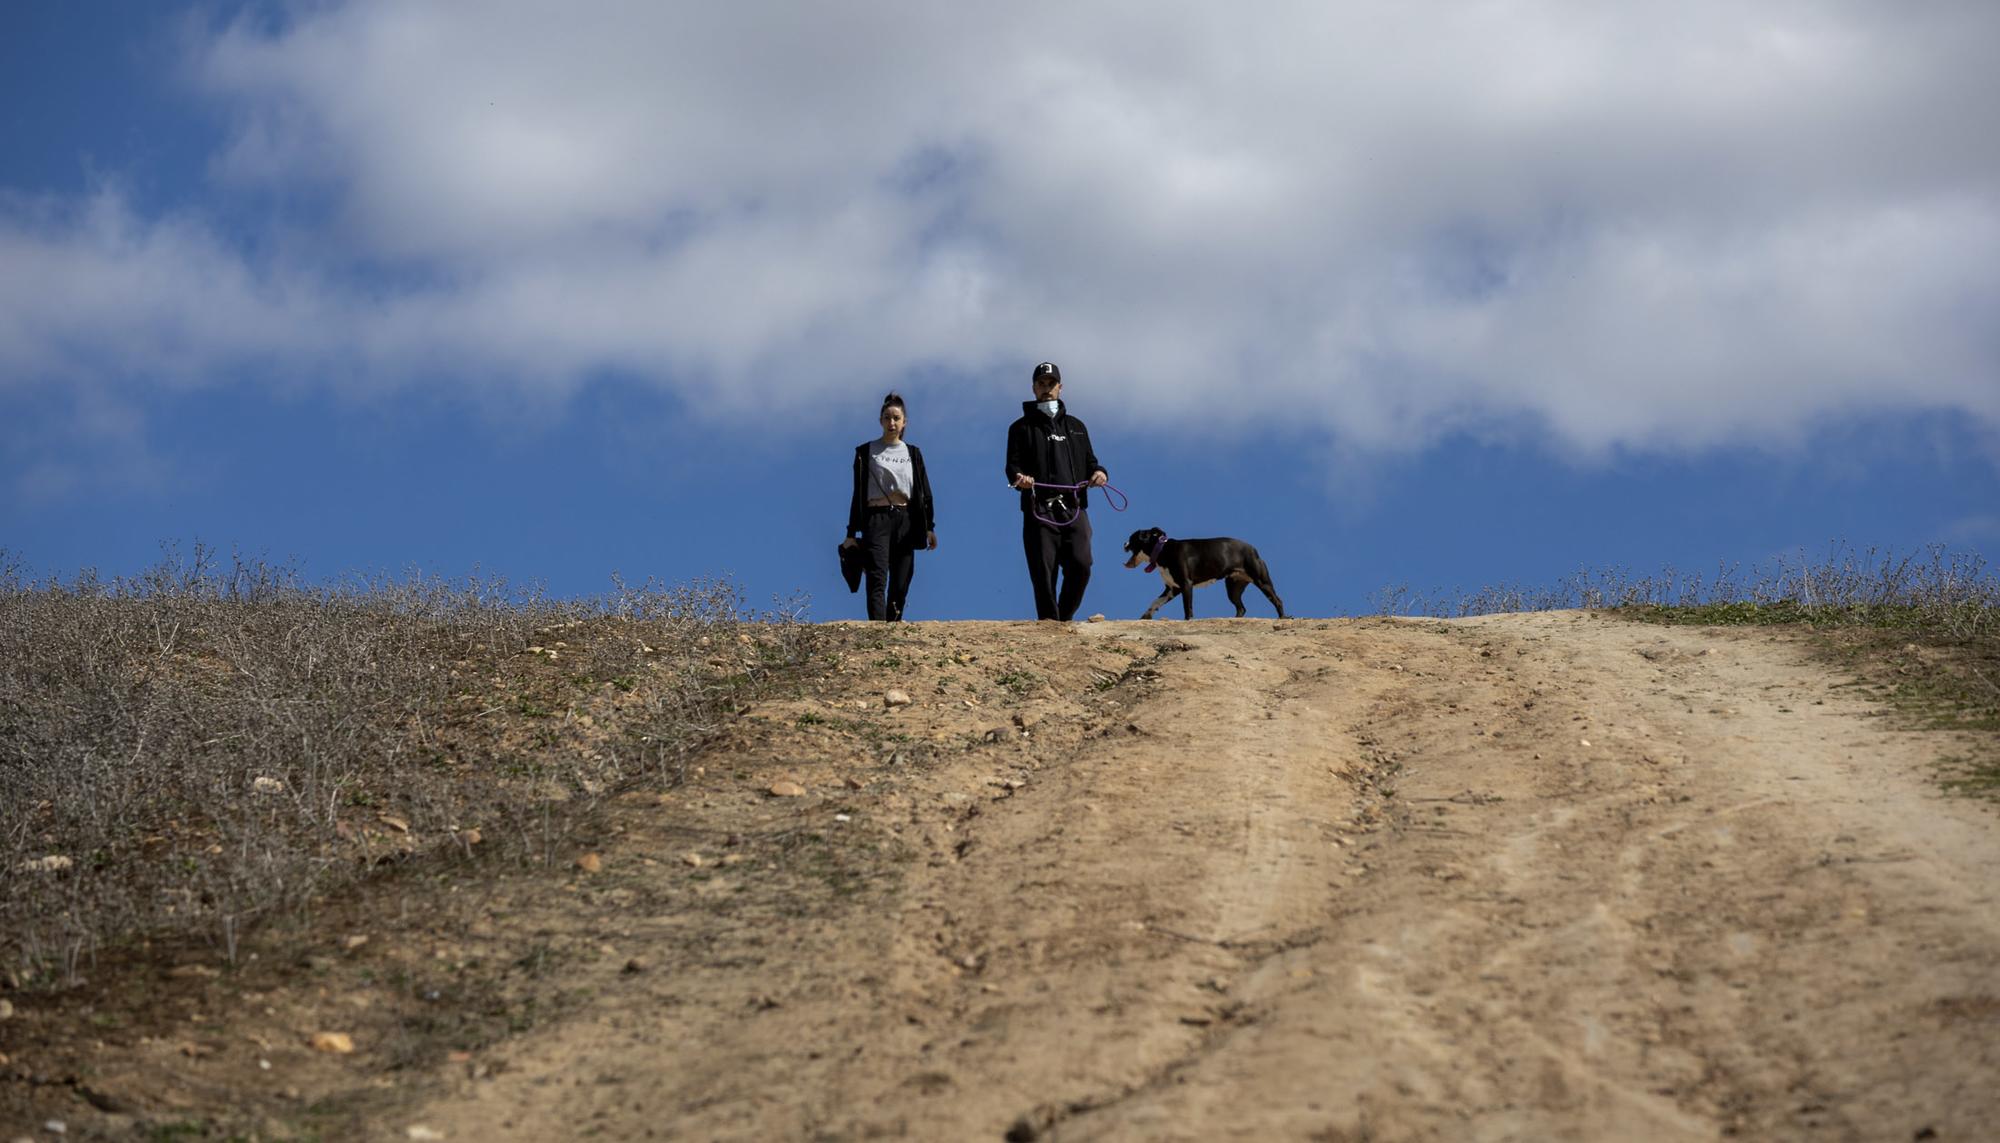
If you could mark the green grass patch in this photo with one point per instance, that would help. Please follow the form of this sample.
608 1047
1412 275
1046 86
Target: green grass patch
1018 682
1974 777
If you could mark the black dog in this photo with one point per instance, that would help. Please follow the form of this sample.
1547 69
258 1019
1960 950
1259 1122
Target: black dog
1188 564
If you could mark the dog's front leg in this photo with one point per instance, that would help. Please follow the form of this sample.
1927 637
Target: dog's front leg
1158 603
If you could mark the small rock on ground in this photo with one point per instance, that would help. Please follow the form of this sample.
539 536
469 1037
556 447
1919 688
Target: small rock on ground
338 1043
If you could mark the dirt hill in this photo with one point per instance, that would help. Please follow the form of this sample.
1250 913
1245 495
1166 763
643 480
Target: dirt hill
1544 876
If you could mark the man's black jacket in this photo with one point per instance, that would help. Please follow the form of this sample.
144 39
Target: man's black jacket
1053 450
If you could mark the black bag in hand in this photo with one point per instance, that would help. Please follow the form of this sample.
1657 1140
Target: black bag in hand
850 566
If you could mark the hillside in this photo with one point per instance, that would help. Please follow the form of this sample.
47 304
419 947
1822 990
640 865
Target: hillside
1536 876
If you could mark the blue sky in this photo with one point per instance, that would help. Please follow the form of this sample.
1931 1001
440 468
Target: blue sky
1438 295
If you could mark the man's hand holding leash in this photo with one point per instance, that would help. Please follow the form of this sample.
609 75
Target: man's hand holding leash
1097 480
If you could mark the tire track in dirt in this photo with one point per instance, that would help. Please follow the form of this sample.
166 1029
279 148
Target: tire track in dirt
1528 876
1610 916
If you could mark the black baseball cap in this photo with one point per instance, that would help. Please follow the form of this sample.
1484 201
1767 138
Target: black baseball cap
1048 369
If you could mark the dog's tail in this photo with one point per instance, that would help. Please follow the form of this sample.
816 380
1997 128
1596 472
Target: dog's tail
1264 583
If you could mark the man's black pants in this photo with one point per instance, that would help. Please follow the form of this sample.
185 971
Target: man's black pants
891 544
1052 550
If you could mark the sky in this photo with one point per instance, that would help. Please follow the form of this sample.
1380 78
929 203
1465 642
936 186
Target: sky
1402 292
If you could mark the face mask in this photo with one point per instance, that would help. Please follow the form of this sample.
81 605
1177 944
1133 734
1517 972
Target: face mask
1048 408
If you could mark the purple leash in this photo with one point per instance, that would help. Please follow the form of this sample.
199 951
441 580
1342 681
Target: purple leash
1077 511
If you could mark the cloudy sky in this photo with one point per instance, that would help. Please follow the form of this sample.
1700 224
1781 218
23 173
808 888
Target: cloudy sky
1440 292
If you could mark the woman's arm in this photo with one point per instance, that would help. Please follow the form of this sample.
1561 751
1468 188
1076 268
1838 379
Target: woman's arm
920 487
857 506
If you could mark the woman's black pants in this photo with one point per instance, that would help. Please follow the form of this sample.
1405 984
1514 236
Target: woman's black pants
891 543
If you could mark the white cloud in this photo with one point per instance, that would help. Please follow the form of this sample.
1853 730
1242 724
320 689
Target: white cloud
1659 225
92 291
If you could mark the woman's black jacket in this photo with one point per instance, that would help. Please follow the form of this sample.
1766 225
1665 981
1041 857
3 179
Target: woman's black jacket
920 494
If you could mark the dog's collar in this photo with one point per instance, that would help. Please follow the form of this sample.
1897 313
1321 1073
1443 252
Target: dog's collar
1154 555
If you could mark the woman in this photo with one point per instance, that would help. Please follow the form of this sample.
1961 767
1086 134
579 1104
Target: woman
890 513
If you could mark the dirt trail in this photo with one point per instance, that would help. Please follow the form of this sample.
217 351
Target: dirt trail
1543 876
1524 877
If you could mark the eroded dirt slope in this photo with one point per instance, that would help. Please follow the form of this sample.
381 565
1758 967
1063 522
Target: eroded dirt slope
1549 876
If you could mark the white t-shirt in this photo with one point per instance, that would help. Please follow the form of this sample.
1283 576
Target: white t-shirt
889 470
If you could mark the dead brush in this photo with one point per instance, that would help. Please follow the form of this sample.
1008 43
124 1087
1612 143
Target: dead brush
211 742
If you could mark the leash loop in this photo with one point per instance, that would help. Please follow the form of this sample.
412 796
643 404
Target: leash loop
1123 502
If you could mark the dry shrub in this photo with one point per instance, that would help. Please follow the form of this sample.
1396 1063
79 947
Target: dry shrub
196 747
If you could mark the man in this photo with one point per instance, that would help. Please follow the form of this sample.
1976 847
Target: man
1048 448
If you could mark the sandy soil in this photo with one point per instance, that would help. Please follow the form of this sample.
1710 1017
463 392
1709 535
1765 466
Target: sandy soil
1522 877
